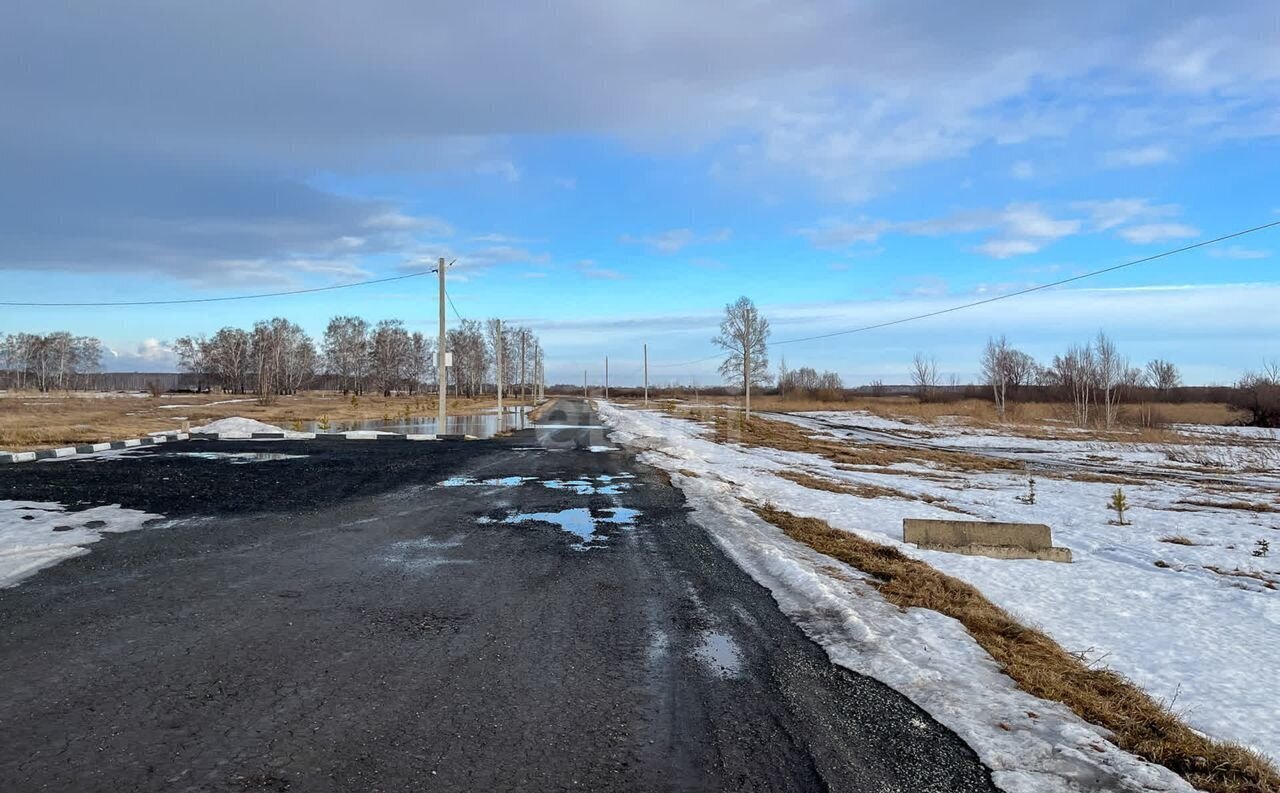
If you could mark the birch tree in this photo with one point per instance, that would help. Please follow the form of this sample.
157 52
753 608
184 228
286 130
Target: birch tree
924 376
744 336
996 370
346 352
1110 369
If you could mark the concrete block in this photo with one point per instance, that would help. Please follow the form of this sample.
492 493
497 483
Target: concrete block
393 437
330 436
260 436
203 436
985 538
451 436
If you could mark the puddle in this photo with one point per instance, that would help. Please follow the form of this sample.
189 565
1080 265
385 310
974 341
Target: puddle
238 458
603 448
587 486
505 481
720 654
479 425
579 521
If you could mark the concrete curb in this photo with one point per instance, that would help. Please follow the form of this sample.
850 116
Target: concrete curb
94 448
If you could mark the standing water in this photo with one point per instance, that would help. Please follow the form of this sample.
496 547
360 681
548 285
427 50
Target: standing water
479 425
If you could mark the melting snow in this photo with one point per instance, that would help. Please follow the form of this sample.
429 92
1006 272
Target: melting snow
35 535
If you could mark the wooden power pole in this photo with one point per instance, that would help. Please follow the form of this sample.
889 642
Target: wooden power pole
442 371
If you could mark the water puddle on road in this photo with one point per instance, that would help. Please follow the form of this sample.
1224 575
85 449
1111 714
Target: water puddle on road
237 458
580 521
606 484
468 481
720 654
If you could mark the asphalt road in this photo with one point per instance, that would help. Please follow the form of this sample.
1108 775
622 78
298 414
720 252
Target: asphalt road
343 621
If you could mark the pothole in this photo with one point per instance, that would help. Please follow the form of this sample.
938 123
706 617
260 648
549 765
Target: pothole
238 458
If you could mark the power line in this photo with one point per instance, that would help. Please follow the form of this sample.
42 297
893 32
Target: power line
1008 295
224 299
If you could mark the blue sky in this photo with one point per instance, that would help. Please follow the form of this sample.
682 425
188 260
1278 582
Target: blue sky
613 175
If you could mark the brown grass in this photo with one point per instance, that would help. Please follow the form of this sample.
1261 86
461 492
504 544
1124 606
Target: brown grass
1041 667
1178 539
34 421
732 427
1247 506
859 489
982 411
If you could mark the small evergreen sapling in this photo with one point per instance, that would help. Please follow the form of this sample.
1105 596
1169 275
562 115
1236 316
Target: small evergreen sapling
1119 504
1262 548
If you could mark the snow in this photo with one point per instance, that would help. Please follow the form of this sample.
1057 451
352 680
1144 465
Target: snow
240 427
1189 635
186 405
36 535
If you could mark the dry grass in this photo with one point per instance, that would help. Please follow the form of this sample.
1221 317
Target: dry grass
1178 539
1041 667
34 421
1247 506
732 427
983 412
859 489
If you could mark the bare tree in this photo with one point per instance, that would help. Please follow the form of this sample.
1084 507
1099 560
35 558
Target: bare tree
422 362
193 357
346 352
391 351
1076 373
1110 368
1163 376
470 357
924 376
229 357
996 369
283 357
744 335
1259 393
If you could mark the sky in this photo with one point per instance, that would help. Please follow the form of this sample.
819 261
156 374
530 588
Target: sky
613 174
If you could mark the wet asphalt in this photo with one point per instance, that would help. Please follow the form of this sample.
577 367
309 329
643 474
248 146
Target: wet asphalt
529 613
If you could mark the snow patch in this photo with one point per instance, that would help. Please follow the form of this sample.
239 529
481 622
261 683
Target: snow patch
36 535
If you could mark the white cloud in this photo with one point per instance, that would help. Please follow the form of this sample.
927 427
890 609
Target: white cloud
1158 232
587 268
1137 157
1109 214
674 240
1018 229
1238 252
1022 170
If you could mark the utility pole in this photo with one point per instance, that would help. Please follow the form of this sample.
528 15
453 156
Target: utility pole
442 370
522 359
606 377
746 363
646 375
499 344
585 395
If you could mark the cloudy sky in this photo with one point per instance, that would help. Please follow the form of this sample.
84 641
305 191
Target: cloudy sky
614 173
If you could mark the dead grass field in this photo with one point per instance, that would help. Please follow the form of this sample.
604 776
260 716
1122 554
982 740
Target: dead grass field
34 421
1039 666
731 427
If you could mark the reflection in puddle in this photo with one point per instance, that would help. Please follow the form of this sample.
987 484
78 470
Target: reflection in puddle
238 458
719 653
579 521
587 485
505 481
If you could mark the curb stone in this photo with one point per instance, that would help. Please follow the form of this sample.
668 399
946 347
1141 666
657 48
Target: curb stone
94 448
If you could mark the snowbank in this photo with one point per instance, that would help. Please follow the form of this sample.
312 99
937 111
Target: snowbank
922 654
36 535
240 427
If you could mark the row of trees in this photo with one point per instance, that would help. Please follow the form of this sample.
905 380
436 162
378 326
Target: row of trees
807 382
48 362
277 357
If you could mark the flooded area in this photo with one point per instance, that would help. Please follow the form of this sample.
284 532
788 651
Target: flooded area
479 425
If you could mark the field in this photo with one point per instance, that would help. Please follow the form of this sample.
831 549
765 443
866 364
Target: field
31 420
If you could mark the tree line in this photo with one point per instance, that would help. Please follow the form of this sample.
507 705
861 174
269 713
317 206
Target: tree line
277 357
49 362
